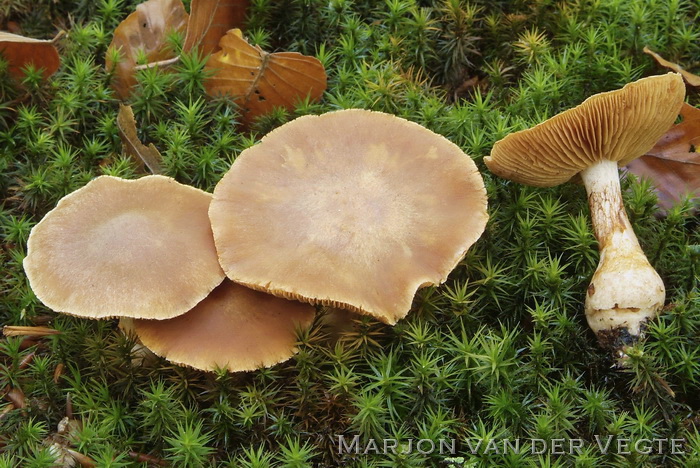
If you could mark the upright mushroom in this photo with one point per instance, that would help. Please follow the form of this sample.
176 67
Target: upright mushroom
131 248
606 130
355 209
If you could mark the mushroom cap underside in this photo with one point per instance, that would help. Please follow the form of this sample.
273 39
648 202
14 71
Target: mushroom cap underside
618 125
234 328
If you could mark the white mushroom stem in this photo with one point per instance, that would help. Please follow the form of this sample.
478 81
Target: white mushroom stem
625 291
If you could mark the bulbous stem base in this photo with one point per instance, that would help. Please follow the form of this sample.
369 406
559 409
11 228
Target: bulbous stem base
625 291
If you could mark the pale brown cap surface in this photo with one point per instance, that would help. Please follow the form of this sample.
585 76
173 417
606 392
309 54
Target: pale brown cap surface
355 209
134 248
234 328
618 125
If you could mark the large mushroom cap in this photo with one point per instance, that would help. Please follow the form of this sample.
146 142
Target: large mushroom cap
135 248
617 125
354 208
234 328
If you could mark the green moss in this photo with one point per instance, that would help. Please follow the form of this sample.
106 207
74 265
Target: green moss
501 350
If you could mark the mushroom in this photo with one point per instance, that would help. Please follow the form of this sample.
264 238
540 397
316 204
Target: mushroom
140 355
234 328
607 130
353 209
133 248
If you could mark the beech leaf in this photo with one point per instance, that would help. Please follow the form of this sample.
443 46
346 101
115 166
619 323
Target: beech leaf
691 79
144 32
142 154
209 21
672 164
20 51
260 81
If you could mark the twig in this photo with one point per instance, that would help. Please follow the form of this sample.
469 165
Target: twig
60 34
161 63
12 330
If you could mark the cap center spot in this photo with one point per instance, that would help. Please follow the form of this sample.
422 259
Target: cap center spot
350 213
127 236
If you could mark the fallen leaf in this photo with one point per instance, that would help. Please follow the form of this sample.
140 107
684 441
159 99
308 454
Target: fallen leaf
13 27
41 319
58 372
209 21
260 81
83 460
17 330
16 396
672 164
151 460
691 79
468 85
144 33
20 51
26 360
6 410
28 342
142 154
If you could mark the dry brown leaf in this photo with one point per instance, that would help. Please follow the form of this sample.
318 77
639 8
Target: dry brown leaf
149 459
17 330
142 154
670 164
15 395
26 360
58 372
83 460
691 79
259 81
209 21
144 32
6 410
20 51
13 27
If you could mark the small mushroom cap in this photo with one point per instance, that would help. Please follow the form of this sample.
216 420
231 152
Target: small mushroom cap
234 328
134 248
617 125
353 209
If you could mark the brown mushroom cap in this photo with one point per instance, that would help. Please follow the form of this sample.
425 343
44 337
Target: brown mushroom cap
234 328
617 125
354 209
134 248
